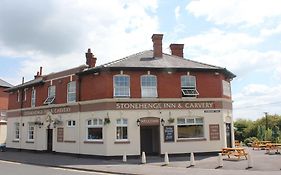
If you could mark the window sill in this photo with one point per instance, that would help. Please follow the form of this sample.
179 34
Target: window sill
191 140
69 141
30 141
93 141
122 142
16 141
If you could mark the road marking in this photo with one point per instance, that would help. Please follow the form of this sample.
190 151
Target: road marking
80 171
15 163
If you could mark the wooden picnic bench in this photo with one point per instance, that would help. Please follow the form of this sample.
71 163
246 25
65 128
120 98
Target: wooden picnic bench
237 152
260 144
272 146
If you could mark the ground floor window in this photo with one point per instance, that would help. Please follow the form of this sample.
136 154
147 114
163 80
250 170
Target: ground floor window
122 129
30 131
190 128
17 131
94 129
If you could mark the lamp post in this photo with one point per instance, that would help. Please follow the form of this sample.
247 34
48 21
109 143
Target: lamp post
266 122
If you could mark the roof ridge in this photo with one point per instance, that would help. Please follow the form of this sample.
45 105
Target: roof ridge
4 83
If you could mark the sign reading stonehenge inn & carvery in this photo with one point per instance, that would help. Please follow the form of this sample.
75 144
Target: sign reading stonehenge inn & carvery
45 111
166 105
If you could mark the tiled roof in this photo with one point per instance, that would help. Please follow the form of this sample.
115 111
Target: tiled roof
26 84
145 59
4 83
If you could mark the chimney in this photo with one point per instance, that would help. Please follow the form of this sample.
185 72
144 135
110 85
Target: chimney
39 73
157 45
90 59
177 49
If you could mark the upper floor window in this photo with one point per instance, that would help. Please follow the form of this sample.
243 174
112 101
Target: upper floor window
226 88
188 86
71 92
94 129
190 128
51 95
122 129
148 86
33 97
24 94
18 96
121 86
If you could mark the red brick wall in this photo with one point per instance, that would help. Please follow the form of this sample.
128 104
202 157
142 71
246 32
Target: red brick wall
3 99
100 86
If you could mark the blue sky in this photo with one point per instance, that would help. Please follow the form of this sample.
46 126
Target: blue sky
243 36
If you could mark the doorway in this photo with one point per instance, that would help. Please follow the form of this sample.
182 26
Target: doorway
150 140
49 140
228 135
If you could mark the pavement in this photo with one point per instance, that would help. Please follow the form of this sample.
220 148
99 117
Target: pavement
261 163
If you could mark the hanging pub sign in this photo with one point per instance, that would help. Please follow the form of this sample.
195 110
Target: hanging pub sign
169 134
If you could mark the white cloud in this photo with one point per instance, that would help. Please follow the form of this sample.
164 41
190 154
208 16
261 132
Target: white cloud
255 99
177 12
235 12
57 33
266 32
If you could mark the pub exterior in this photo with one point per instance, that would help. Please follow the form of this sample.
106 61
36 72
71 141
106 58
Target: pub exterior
150 101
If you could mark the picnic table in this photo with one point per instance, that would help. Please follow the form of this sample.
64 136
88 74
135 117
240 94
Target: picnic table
236 152
260 144
273 146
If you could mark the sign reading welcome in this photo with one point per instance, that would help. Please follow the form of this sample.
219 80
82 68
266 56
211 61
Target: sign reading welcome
159 105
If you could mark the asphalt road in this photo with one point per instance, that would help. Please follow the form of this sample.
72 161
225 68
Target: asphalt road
11 168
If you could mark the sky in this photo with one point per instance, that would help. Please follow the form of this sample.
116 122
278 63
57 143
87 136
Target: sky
242 36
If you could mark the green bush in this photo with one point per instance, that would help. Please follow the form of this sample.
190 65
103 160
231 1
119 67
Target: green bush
250 140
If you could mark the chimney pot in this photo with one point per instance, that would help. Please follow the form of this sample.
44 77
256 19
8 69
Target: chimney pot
40 71
157 45
90 59
177 49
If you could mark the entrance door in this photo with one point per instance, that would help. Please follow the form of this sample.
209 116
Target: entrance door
150 139
228 135
49 140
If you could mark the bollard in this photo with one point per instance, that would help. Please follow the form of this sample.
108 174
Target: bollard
124 157
220 161
250 161
166 159
192 161
143 158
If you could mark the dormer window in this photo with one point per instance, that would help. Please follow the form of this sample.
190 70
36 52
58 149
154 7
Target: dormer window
188 86
51 95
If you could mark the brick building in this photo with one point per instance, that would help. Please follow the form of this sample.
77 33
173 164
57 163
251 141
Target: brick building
150 101
4 97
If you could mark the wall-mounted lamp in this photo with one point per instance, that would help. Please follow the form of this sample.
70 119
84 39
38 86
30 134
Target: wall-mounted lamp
162 122
138 122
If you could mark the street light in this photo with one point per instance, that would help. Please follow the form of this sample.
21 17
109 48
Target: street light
266 122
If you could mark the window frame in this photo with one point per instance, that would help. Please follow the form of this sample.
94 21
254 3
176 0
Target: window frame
187 122
226 88
189 90
31 132
17 130
121 125
99 124
124 87
149 88
72 123
33 98
68 92
51 97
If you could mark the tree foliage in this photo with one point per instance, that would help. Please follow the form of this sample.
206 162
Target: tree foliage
247 128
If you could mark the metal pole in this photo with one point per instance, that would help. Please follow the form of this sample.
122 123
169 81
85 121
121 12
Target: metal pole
266 122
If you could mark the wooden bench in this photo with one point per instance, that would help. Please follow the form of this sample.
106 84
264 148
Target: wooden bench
260 144
273 146
237 152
